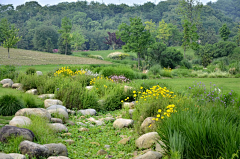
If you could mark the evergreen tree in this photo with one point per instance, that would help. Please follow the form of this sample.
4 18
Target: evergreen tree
224 32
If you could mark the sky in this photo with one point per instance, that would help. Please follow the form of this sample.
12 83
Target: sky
53 2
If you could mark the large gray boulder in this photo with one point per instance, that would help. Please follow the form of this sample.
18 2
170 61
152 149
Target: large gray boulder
147 124
17 156
20 121
7 131
34 111
121 123
147 140
5 156
87 111
17 85
56 149
39 73
58 127
61 112
7 80
32 91
7 85
50 102
58 157
57 106
150 155
46 96
33 149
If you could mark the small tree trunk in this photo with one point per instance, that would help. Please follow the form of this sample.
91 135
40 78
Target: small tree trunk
8 53
66 49
138 55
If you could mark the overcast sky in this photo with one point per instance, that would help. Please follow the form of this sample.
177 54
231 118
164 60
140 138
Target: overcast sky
52 2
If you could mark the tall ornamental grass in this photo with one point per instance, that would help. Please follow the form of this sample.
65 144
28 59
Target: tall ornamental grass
201 132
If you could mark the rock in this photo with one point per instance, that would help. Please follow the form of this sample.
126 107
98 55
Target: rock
58 157
95 143
83 129
59 112
57 106
50 102
7 85
8 131
66 134
34 111
80 123
88 112
58 127
71 111
146 123
97 122
33 150
124 141
39 73
56 120
17 156
89 87
150 155
107 146
20 121
7 80
17 85
69 122
5 156
69 141
102 152
147 140
56 149
121 123
32 91
127 88
131 112
159 147
46 96
107 119
129 105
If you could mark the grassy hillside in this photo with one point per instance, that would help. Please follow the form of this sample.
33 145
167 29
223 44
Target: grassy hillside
28 57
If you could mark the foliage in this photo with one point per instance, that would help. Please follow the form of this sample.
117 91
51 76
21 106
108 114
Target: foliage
10 35
9 105
7 71
119 79
78 38
126 72
118 55
30 71
172 58
135 36
163 31
155 52
65 32
224 32
155 69
113 41
185 63
166 72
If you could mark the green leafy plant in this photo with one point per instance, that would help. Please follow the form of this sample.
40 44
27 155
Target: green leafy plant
30 71
10 104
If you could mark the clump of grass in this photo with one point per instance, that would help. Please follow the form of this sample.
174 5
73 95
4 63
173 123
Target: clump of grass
12 146
30 71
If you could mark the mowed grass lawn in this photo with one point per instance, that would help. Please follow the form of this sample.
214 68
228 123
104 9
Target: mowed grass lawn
21 57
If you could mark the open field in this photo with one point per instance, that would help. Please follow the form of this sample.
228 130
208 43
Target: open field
28 57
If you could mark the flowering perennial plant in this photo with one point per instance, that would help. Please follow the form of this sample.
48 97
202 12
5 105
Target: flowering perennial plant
119 79
65 71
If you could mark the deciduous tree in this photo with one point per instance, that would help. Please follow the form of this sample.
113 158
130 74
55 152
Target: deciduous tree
224 32
113 41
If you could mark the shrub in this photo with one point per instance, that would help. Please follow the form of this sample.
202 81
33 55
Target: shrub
30 101
119 79
30 71
166 72
185 63
182 73
155 69
96 57
7 71
127 72
117 55
172 58
9 105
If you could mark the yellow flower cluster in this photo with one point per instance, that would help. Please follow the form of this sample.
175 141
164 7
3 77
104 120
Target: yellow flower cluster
167 113
98 78
154 93
68 72
167 69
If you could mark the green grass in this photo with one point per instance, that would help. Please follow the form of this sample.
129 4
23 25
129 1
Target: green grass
181 84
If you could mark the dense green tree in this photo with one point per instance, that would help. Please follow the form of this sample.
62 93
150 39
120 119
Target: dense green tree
171 58
49 45
41 36
206 54
155 52
10 35
65 32
78 38
224 32
62 47
136 38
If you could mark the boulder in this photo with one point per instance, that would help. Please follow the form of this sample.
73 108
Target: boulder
57 106
127 88
50 102
61 112
39 73
34 111
58 127
146 123
7 85
150 155
7 80
71 111
121 123
129 105
5 156
89 87
20 121
58 157
17 85
56 149
87 111
97 122
46 96
32 91
56 120
147 140
7 131
17 156
33 149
